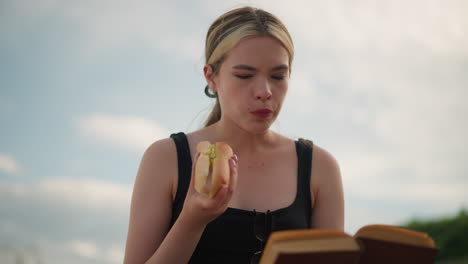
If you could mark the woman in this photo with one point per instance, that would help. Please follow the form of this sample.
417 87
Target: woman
276 183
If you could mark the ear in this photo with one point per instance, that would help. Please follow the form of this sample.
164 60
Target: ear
210 77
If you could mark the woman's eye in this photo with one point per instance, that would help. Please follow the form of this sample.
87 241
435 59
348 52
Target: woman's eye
243 76
278 77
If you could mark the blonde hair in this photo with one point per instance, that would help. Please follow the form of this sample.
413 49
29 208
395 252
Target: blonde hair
234 26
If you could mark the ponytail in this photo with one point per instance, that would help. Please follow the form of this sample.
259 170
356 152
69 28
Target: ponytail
215 114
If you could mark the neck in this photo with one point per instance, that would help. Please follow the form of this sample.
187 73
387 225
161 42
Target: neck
243 141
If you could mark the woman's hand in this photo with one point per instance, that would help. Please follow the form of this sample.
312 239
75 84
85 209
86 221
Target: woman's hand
198 209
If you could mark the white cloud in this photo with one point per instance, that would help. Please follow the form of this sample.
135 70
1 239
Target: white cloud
78 219
397 204
130 132
76 251
108 25
9 164
159 24
84 248
114 254
91 250
393 176
29 255
303 94
87 192
438 195
80 193
363 214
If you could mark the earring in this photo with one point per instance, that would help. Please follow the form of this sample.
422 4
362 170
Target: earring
210 95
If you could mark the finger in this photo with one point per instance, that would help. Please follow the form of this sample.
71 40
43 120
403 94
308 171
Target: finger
233 177
224 194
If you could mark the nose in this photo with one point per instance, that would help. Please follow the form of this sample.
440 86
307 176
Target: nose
263 91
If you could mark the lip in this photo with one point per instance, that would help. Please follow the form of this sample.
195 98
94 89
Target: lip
262 113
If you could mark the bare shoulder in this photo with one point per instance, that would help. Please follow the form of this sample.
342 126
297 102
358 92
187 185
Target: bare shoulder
159 164
163 148
323 160
325 172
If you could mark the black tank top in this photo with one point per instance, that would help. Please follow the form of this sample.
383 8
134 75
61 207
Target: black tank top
231 238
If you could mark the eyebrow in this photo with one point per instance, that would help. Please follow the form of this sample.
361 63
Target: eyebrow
250 68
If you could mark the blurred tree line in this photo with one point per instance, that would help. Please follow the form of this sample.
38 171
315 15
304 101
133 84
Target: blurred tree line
450 235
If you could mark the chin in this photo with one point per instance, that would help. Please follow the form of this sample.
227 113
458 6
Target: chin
254 126
258 128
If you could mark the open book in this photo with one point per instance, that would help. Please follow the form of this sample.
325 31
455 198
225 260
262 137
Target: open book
371 244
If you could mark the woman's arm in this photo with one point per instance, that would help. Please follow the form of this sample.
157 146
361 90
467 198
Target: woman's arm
150 210
150 238
327 191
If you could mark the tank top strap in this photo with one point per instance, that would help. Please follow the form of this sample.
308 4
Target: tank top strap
184 164
304 155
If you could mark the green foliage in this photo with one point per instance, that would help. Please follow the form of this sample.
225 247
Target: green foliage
450 236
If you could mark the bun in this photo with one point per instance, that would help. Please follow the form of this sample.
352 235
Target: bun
212 168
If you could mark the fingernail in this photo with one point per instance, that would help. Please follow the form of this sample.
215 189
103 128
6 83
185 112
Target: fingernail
233 162
235 158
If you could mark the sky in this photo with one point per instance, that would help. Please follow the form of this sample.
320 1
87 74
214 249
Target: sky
86 86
